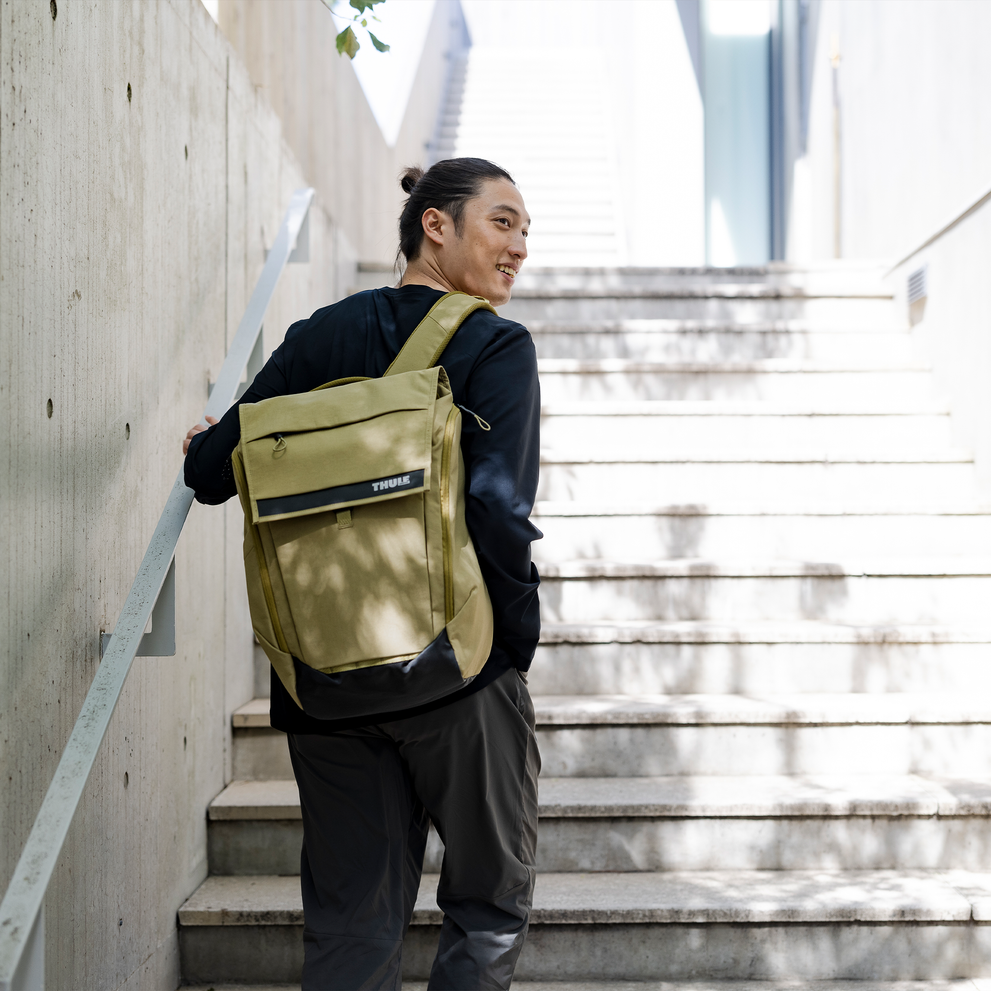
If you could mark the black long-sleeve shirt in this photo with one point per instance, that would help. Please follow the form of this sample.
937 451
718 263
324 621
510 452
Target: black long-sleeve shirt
492 367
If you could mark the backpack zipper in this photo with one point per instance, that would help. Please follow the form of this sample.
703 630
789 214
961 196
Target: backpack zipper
445 513
242 490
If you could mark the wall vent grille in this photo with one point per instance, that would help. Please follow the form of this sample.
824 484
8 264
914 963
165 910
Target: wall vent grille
917 285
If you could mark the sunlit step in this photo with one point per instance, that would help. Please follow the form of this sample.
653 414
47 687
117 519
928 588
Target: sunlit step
573 531
817 313
687 478
572 380
672 340
641 736
596 657
927 591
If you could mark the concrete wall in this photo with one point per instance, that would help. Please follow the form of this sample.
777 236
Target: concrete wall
953 327
132 229
915 125
914 151
288 49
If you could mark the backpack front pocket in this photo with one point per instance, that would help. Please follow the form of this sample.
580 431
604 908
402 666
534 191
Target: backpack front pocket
360 592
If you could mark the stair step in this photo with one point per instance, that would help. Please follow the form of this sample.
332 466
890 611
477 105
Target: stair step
865 282
763 633
697 341
773 568
687 479
273 799
647 657
887 925
697 897
825 822
744 408
706 290
814 709
939 735
721 344
736 456
766 366
591 380
946 507
923 591
677 796
844 332
571 431
572 531
744 307
965 985
682 822
935 735
252 715
807 709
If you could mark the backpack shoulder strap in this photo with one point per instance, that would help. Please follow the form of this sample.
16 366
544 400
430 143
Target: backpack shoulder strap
433 333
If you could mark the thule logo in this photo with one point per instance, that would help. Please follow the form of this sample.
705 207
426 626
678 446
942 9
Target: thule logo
400 481
352 494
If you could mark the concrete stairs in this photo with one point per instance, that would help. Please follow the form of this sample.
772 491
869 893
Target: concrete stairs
554 142
762 688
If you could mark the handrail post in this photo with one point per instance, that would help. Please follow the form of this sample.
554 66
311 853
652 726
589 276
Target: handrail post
22 923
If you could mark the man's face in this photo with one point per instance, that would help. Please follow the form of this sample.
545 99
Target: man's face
487 256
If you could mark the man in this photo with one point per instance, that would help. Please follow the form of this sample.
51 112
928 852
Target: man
369 787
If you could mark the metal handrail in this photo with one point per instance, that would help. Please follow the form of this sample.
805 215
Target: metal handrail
22 910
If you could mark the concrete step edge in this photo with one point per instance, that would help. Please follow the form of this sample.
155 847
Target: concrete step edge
775 270
763 366
969 984
738 408
687 796
677 897
756 632
806 455
794 709
552 509
920 567
740 291
689 325
790 709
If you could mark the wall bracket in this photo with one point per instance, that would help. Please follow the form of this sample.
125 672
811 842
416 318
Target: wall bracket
160 642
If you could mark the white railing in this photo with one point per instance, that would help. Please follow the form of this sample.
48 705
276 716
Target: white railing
22 921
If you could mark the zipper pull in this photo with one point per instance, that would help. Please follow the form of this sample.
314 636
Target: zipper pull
481 422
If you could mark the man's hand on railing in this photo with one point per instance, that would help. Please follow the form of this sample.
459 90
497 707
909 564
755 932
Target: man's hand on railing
198 429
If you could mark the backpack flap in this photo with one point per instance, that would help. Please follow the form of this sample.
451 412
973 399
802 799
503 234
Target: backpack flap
346 446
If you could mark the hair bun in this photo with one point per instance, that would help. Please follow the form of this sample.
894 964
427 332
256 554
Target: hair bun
410 178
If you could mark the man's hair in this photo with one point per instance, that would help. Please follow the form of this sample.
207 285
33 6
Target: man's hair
447 185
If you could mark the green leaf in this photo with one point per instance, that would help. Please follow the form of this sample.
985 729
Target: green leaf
379 45
347 43
364 23
362 5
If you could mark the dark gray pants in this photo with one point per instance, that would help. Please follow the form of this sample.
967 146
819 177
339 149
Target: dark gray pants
367 796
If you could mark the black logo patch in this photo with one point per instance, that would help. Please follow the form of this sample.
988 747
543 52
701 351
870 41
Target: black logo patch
341 494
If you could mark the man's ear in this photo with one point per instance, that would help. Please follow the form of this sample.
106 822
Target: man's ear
436 225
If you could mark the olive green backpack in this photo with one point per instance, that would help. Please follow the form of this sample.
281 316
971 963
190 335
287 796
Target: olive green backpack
363 584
